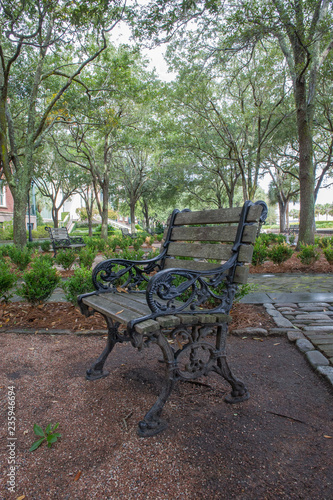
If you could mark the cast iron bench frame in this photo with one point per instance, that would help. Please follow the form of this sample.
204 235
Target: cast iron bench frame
61 239
227 236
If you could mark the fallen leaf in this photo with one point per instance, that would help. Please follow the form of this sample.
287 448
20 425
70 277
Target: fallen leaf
25 432
78 475
31 348
120 311
21 497
277 343
328 437
257 338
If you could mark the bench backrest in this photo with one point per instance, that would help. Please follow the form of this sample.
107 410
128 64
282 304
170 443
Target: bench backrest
59 233
209 237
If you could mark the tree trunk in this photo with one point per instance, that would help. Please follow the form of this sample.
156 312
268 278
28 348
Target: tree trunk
105 214
20 209
145 212
132 212
283 212
55 216
306 167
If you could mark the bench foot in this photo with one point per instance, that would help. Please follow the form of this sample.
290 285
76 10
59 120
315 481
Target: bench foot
92 374
232 399
148 429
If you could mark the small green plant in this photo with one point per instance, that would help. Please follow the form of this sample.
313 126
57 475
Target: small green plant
45 246
7 281
87 257
308 254
66 258
328 252
40 282
49 435
259 253
21 258
280 253
292 238
244 290
80 282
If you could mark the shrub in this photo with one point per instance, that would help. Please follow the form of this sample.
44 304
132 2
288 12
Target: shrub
21 258
7 231
45 245
7 281
87 257
292 238
40 282
324 242
66 258
32 245
44 258
259 253
80 282
328 252
308 254
280 253
5 250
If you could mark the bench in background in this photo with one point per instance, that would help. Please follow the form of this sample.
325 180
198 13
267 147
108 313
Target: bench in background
61 239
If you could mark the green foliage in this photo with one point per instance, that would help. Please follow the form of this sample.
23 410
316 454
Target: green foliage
132 254
66 258
40 282
308 254
7 281
5 250
21 258
45 245
280 253
7 231
292 238
49 435
328 252
324 242
87 257
244 290
47 257
259 252
31 245
80 282
159 237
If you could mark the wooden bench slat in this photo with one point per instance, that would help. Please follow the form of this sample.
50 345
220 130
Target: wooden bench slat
127 301
226 234
222 215
209 251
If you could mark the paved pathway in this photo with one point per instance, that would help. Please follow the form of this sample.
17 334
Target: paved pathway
302 308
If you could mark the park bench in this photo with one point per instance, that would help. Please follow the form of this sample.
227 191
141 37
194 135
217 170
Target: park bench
173 311
61 239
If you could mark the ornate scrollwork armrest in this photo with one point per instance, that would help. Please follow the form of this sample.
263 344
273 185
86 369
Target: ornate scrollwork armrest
180 290
127 274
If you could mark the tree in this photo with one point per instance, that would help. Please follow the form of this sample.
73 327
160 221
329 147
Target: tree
57 182
44 46
301 29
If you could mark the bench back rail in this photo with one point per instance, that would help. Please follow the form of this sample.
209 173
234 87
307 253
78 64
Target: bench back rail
61 239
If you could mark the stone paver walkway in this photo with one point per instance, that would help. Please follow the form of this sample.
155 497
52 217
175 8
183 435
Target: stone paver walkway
302 308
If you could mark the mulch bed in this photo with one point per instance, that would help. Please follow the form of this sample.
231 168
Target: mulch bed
65 316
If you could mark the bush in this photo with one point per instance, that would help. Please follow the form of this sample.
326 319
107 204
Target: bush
280 253
21 258
259 253
7 281
45 245
40 282
308 254
87 257
324 242
328 252
80 283
66 258
5 250
7 231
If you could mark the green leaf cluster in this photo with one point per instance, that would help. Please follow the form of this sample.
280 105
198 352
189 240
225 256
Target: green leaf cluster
49 435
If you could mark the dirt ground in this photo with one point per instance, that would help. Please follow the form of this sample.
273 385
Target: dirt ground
276 445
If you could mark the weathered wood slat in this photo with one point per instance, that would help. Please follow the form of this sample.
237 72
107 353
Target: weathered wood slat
241 273
108 308
209 251
226 233
222 215
127 301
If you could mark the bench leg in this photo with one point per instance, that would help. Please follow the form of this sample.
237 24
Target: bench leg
96 370
152 423
239 392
